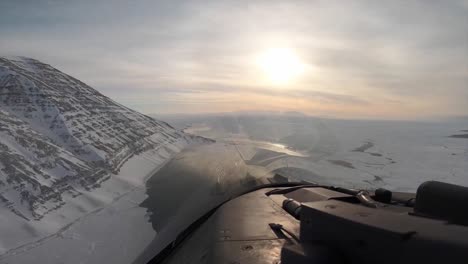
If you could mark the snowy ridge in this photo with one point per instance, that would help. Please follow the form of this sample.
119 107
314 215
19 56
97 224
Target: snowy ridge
59 136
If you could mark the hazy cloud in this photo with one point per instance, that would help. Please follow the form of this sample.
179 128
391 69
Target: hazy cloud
166 56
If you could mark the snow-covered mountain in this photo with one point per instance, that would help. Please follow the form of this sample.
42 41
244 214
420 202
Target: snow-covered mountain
59 136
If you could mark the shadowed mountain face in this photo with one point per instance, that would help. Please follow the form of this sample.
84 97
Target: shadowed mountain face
59 136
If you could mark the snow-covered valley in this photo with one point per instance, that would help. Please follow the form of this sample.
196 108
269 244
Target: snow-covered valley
398 155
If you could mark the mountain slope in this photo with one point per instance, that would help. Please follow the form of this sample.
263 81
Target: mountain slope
59 136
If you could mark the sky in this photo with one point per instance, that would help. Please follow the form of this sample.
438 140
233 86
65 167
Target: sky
358 59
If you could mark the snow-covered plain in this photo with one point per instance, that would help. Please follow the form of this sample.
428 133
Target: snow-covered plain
398 155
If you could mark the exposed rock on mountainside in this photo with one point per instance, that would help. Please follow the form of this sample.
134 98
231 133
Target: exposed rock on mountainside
59 136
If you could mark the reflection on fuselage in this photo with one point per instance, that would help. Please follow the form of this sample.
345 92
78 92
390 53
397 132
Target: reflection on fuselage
195 181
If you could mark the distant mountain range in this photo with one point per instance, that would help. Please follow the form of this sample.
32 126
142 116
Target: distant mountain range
59 136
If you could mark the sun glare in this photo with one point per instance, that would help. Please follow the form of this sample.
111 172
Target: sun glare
280 65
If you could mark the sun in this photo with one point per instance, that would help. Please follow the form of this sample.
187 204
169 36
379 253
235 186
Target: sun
280 65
